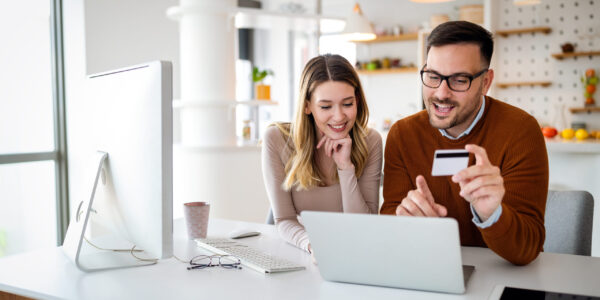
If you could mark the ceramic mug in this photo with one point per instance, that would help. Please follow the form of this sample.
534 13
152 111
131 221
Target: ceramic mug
196 219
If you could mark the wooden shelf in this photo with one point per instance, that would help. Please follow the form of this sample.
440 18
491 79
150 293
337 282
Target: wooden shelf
530 83
574 54
579 110
505 33
257 102
388 71
178 104
392 38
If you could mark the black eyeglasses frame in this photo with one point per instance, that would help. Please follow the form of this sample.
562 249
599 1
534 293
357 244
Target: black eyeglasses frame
446 78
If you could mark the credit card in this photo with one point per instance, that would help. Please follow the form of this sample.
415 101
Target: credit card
449 162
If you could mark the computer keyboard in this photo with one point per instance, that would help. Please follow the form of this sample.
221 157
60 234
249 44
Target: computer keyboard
249 256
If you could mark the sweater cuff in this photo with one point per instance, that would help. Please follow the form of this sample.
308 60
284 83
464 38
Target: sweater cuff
490 221
501 227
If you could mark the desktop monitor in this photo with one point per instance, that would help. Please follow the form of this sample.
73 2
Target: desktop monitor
131 178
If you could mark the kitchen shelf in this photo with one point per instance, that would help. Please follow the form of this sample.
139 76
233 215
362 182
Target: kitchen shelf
574 54
530 83
388 71
558 145
392 38
178 104
579 110
257 102
505 33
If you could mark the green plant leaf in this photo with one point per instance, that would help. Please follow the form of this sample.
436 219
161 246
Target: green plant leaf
259 75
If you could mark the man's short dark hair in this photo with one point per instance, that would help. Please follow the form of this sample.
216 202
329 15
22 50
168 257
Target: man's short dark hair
458 32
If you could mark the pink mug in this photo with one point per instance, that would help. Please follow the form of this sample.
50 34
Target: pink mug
196 219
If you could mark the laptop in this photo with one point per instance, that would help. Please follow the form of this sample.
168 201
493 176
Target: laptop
393 251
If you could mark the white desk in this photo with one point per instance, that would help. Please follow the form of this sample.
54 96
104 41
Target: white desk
48 274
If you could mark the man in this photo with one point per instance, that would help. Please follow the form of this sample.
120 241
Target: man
500 199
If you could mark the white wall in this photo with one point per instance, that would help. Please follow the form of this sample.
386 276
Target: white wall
121 33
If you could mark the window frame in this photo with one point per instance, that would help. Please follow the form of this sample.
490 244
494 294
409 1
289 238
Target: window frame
59 154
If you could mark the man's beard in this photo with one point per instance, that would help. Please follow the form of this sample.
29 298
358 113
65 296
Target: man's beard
459 116
431 111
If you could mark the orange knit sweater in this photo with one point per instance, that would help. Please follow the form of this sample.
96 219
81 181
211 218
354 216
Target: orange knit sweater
514 143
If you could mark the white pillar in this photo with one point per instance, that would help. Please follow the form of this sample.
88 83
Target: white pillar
208 165
207 44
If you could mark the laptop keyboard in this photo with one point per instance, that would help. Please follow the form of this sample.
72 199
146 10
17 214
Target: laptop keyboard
250 257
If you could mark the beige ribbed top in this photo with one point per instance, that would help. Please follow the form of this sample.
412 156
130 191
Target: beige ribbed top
350 195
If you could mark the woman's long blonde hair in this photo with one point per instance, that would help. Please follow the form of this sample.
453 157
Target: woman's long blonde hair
301 169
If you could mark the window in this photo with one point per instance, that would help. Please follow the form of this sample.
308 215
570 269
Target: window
32 149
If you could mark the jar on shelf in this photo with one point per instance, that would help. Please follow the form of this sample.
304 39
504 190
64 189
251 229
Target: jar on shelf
560 119
247 130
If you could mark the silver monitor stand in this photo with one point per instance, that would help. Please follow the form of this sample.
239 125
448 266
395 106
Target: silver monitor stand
75 246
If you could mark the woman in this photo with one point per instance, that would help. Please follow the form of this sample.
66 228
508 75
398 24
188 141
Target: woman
326 159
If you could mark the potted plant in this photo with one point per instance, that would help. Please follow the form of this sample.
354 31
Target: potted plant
263 91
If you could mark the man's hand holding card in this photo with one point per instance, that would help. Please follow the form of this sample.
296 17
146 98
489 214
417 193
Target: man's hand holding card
480 184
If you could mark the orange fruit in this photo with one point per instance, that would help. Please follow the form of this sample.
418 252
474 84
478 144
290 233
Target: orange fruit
590 100
590 72
590 88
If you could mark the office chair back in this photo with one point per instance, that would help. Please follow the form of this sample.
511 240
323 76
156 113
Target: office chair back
568 221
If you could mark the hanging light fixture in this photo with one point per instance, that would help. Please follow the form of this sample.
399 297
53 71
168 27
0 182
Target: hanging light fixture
358 27
526 2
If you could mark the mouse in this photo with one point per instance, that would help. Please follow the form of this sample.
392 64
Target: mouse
242 233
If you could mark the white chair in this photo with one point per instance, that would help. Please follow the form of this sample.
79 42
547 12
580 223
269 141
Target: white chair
568 221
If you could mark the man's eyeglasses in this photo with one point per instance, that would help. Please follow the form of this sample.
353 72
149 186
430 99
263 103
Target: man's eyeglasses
207 261
460 82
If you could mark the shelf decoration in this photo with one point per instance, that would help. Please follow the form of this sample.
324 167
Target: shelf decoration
530 83
263 91
589 80
506 33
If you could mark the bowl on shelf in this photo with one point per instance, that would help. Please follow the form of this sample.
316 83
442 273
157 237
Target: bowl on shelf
567 48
